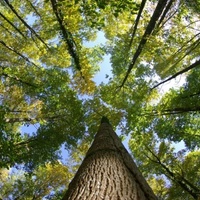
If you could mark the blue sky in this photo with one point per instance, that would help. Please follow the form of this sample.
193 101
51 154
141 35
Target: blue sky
105 69
105 66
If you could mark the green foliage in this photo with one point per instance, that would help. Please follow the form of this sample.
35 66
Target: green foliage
46 182
52 106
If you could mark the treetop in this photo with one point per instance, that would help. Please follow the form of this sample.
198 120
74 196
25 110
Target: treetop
105 120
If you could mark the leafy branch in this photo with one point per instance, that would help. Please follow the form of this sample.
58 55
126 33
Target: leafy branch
172 111
157 13
12 25
137 21
191 95
18 53
34 8
67 35
196 64
167 8
186 43
18 79
24 22
182 181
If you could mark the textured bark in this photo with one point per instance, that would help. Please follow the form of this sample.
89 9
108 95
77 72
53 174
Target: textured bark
108 172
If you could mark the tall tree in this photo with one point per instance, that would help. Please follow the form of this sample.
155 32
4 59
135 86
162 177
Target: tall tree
47 70
108 171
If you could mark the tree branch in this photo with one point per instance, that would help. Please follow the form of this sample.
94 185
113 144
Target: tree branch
19 54
18 79
191 95
137 21
67 35
165 12
24 22
20 195
174 111
18 120
12 25
26 142
186 51
35 10
6 29
184 183
196 64
159 8
187 42
182 110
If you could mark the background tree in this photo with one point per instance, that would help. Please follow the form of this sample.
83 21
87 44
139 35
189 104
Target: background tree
45 182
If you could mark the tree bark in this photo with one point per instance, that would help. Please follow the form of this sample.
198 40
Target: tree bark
108 172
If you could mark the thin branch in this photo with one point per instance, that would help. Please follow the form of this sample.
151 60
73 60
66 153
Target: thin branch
35 10
18 79
187 42
18 120
196 64
164 14
184 183
24 22
18 53
15 111
26 142
187 51
137 21
6 29
167 8
159 9
172 15
67 35
191 95
174 111
20 195
194 22
12 25
182 110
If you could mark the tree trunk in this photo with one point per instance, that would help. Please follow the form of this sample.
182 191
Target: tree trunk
108 172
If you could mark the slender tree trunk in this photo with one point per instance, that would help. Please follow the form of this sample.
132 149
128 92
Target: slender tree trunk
108 172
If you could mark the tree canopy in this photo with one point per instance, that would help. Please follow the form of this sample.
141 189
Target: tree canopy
48 70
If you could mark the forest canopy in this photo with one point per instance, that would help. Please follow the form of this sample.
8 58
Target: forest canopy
48 88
